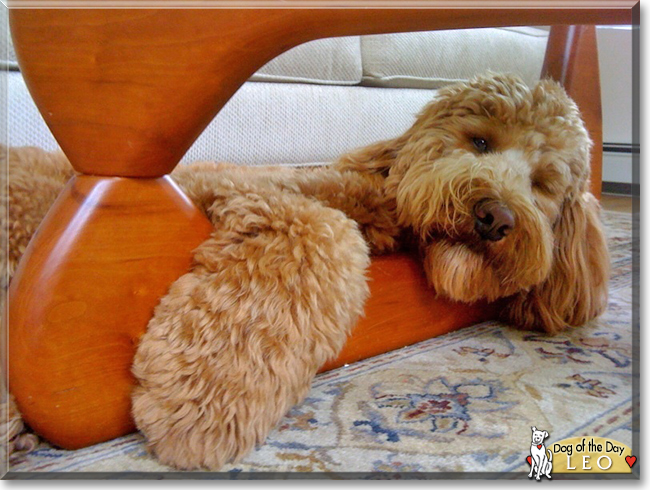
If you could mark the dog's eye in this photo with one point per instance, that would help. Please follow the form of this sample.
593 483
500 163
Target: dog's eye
542 187
481 145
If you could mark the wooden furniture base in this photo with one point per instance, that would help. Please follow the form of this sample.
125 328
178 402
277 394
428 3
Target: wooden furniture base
125 93
105 254
402 310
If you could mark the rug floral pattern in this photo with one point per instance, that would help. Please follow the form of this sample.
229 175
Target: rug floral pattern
463 402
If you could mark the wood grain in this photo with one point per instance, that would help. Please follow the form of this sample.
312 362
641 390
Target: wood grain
572 59
126 92
403 310
83 295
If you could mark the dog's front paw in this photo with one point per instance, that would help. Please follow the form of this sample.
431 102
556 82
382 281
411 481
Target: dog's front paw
459 273
236 342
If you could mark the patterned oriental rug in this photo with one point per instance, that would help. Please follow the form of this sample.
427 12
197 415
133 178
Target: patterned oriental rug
462 403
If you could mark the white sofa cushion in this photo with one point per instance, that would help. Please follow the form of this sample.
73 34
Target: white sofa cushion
300 123
270 123
435 59
25 125
7 53
264 123
333 61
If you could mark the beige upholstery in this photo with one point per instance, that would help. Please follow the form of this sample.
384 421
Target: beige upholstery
435 59
335 61
335 94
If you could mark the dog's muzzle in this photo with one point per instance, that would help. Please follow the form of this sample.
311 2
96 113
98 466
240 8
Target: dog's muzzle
493 220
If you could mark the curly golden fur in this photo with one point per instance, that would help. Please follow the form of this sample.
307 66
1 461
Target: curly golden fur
272 295
554 264
491 185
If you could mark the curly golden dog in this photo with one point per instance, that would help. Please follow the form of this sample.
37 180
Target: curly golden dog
491 185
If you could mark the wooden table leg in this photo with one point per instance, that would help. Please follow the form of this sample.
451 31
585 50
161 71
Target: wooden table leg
105 254
125 93
572 59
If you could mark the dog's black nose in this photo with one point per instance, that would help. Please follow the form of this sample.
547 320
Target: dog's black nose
493 220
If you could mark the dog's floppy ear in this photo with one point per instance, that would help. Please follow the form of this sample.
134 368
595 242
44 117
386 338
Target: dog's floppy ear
534 428
377 158
576 288
545 434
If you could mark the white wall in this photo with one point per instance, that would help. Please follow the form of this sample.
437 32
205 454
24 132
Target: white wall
615 60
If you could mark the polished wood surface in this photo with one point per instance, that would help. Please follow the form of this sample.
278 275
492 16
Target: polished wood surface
126 92
572 59
84 293
403 310
400 298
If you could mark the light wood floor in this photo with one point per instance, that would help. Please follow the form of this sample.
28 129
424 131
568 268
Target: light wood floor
614 202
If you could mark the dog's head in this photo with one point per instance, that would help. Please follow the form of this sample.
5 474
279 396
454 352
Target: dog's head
493 179
539 435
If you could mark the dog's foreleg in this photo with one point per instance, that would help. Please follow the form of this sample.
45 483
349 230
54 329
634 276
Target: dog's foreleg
236 342
540 466
549 464
361 197
35 179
